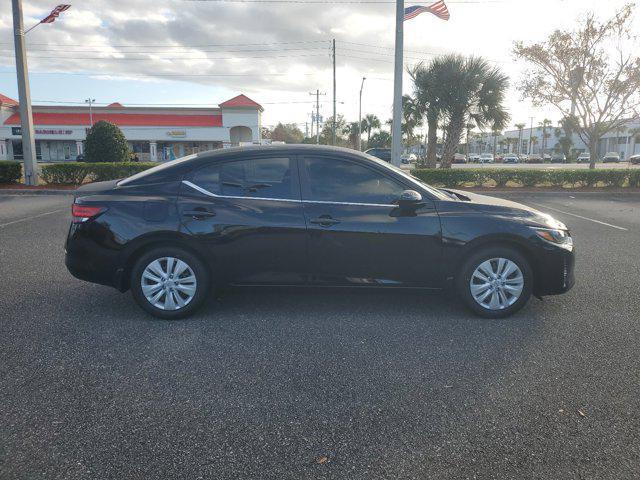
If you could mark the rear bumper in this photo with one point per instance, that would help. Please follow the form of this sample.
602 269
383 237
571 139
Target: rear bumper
88 261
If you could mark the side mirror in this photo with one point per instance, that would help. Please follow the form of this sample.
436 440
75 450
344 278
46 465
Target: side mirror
409 199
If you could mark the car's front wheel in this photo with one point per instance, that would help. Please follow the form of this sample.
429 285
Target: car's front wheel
496 282
169 282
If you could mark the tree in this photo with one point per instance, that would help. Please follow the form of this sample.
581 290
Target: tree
369 123
520 127
326 134
106 143
352 131
533 142
595 67
381 139
544 125
428 89
287 133
471 90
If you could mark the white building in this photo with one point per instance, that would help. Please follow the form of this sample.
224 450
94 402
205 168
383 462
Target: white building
624 142
154 133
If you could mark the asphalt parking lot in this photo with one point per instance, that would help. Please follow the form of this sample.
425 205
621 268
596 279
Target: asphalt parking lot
307 384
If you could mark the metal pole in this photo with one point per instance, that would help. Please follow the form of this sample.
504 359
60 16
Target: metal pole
90 102
530 133
318 117
396 135
24 97
360 116
333 126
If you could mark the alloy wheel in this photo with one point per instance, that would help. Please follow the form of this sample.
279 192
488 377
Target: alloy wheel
496 283
168 283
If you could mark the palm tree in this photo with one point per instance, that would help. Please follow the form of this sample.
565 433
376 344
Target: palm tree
469 126
369 123
470 89
411 115
544 125
534 141
520 127
428 88
352 130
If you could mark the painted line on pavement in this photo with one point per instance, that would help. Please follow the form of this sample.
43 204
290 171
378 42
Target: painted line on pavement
580 216
31 218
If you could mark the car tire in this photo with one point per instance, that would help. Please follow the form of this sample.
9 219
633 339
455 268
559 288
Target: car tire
185 280
489 258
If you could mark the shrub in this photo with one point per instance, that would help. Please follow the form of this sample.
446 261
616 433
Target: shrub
529 177
106 143
10 172
78 172
100 172
65 173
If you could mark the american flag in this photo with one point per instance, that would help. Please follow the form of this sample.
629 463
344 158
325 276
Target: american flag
439 9
55 13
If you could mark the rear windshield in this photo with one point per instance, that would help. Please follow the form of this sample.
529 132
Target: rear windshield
154 170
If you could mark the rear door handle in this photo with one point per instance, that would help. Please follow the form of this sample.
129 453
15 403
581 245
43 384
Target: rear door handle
199 213
324 221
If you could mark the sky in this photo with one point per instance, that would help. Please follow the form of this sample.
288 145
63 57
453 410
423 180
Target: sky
203 52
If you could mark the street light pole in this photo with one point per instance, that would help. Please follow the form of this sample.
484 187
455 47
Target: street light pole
360 116
530 133
90 101
24 97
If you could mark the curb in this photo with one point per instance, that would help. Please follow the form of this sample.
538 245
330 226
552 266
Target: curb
21 191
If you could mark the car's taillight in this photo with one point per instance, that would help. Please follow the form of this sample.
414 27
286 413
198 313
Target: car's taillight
82 213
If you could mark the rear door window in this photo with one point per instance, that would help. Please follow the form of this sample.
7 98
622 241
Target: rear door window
263 177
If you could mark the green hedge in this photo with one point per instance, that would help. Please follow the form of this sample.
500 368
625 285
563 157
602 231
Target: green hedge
500 177
75 173
10 172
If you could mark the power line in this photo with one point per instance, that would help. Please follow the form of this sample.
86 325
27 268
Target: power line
106 74
48 57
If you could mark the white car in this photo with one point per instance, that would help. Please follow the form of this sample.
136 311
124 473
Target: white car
584 157
474 158
510 158
408 158
486 158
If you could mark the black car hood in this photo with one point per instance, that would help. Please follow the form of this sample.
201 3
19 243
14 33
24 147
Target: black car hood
507 208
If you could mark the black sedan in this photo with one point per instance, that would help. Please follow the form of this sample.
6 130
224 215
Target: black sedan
313 216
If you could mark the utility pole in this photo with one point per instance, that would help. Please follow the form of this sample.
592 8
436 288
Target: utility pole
90 101
333 127
360 117
317 94
396 138
24 97
530 133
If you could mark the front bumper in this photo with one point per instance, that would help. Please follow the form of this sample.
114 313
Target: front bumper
554 271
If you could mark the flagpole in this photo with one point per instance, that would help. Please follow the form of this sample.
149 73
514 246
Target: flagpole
396 134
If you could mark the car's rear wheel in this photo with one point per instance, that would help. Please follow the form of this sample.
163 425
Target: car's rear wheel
496 282
169 282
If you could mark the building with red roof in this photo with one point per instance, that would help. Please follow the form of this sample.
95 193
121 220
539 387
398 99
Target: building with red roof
154 133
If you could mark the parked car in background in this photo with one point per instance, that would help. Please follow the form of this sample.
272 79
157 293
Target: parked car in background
381 153
611 157
459 158
534 158
523 157
474 158
486 158
407 158
635 159
546 157
510 158
304 215
558 158
584 157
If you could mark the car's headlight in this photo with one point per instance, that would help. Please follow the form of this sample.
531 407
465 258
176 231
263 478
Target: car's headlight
560 238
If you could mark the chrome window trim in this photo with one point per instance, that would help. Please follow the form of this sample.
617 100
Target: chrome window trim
324 202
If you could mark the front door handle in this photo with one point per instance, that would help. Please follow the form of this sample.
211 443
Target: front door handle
199 213
324 221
